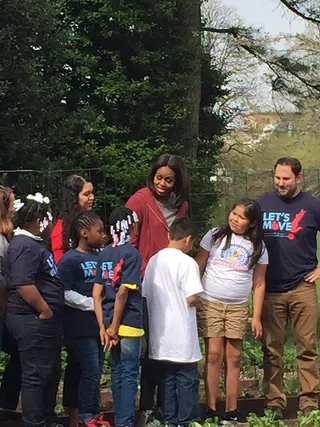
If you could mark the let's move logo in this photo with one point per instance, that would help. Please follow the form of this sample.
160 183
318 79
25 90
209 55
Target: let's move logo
279 224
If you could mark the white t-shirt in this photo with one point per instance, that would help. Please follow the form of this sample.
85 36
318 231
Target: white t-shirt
170 278
227 277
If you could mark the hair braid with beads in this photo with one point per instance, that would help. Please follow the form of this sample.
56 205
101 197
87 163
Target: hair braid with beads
120 221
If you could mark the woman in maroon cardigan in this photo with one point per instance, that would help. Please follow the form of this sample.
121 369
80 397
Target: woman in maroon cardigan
157 205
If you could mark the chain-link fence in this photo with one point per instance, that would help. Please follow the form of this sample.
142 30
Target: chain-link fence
218 191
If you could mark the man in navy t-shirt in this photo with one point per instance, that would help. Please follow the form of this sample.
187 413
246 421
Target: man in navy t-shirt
291 220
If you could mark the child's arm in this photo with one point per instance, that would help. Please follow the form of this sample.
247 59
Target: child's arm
259 287
32 296
191 284
193 300
67 271
120 303
97 302
201 259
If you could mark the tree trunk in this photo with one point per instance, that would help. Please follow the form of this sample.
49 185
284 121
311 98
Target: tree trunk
191 35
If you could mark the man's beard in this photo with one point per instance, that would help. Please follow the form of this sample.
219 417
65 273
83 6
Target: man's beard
290 193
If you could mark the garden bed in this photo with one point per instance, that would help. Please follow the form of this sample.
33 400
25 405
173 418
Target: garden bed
246 405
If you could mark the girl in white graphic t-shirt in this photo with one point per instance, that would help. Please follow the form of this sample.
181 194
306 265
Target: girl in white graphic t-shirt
233 261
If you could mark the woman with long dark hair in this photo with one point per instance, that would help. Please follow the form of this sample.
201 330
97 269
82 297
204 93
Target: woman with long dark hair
157 205
76 196
11 378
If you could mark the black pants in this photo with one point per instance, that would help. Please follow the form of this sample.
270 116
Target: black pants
149 383
71 379
150 371
11 378
39 345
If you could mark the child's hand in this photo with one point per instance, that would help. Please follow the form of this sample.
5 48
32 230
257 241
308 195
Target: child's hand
104 338
113 334
256 328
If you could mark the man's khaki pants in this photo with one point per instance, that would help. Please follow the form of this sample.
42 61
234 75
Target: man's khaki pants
300 305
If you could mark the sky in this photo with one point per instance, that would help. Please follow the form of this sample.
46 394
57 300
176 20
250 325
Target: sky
268 14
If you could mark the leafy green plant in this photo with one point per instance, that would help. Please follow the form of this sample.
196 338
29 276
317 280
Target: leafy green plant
291 385
268 420
252 358
209 422
312 419
290 362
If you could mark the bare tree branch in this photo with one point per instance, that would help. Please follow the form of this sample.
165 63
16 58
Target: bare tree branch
290 5
272 64
235 31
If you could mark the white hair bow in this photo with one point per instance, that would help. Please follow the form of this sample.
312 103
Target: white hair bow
18 205
38 197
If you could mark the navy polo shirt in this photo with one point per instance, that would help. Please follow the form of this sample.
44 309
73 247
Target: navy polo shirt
29 262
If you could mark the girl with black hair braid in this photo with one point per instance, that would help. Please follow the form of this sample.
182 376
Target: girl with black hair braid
77 270
34 310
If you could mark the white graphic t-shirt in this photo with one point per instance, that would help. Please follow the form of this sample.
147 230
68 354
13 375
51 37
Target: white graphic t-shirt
171 277
227 277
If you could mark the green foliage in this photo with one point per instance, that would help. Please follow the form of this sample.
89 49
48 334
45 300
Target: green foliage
108 85
33 47
209 422
291 386
311 419
268 420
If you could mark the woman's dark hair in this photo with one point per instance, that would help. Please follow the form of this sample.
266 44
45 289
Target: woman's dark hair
30 212
175 163
253 213
6 226
69 206
83 220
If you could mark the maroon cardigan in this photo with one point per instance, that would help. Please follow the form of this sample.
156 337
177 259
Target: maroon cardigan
152 235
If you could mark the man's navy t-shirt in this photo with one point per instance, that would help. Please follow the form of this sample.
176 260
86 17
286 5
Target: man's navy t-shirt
77 271
121 265
290 230
28 262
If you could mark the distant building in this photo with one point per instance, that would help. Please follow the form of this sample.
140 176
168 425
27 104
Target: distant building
256 127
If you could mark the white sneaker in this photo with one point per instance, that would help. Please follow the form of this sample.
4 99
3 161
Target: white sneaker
145 418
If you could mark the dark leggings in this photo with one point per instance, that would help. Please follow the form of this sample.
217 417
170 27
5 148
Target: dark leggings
71 380
150 372
11 378
149 383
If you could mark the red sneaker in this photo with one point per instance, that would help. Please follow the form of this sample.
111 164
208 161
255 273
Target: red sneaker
100 421
90 423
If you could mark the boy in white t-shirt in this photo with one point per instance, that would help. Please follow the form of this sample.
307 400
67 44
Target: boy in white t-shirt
171 286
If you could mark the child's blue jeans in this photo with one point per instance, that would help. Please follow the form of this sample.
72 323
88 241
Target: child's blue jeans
179 384
89 352
125 359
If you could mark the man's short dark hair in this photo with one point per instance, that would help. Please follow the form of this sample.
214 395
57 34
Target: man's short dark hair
181 228
290 161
